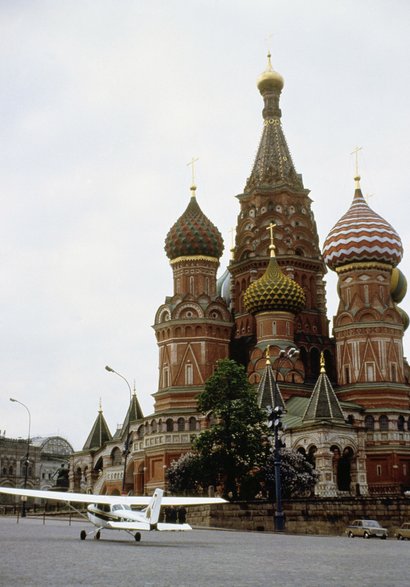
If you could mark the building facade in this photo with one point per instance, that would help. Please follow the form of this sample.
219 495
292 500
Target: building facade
47 463
346 396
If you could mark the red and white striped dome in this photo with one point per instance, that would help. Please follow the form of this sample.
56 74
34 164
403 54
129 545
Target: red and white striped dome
361 235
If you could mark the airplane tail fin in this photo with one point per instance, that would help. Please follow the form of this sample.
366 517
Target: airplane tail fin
154 507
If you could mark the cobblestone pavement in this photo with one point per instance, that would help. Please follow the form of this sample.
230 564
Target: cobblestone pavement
33 554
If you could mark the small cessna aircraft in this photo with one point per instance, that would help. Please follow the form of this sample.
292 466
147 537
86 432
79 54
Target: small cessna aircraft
113 512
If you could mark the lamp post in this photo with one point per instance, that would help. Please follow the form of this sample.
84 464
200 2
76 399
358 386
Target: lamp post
275 420
26 464
126 451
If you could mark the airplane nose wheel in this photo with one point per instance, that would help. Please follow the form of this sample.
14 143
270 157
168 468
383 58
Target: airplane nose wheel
83 534
137 536
97 535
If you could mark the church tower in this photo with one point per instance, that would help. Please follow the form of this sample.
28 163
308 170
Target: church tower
274 192
193 327
364 250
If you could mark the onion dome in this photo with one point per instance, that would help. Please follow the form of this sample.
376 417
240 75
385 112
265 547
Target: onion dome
193 234
269 79
398 285
274 291
361 235
404 316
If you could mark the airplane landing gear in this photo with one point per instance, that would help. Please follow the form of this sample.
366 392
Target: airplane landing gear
137 536
83 534
97 535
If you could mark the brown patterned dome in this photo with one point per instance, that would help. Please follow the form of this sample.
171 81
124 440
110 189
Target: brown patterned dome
274 291
361 235
193 234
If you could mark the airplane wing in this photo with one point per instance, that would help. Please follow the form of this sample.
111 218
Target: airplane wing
141 526
68 497
130 500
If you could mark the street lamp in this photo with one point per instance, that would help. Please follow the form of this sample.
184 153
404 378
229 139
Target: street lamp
26 464
126 451
275 419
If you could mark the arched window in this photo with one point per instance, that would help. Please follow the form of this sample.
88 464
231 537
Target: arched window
311 456
192 424
181 424
384 422
170 425
116 457
369 422
400 423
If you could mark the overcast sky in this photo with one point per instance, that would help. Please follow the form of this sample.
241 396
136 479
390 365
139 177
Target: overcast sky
103 104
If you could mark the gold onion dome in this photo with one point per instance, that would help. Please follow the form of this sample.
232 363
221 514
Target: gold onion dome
269 79
274 291
193 234
361 235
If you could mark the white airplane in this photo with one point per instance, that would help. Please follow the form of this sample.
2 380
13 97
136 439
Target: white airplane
113 512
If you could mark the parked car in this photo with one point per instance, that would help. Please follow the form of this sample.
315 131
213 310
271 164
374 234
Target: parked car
366 529
403 533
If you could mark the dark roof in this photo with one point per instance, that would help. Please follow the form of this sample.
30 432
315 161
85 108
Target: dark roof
100 433
323 404
268 390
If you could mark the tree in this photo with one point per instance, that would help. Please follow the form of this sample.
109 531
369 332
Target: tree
298 477
232 448
185 475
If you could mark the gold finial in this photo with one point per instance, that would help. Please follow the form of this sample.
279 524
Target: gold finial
322 363
192 163
269 68
100 407
272 244
355 152
267 355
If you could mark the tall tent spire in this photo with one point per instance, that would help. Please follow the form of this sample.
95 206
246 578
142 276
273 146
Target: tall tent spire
273 166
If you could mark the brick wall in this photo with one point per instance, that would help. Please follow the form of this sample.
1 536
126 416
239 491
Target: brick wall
304 516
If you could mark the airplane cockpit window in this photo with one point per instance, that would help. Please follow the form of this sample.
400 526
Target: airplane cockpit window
126 507
116 507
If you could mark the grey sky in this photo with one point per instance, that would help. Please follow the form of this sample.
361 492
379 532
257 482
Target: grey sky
103 104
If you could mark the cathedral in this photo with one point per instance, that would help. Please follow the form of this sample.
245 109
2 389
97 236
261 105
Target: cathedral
346 394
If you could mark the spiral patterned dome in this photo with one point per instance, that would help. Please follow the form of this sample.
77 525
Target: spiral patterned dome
193 234
361 235
274 291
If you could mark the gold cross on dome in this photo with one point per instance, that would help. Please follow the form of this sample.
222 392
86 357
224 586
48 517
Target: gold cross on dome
192 163
271 226
267 355
355 152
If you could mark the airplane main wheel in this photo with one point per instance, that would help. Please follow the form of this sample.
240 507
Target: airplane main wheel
83 534
98 535
137 536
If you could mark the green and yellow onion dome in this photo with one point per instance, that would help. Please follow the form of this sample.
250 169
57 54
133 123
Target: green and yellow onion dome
274 292
404 316
193 234
398 285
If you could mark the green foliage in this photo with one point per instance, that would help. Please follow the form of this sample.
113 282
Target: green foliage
232 447
185 476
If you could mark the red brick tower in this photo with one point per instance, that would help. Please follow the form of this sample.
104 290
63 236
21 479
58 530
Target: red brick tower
368 327
274 192
193 327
